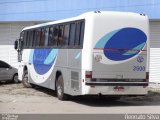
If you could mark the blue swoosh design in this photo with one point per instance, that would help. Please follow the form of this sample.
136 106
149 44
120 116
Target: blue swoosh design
121 40
78 55
101 43
43 59
31 56
139 47
51 55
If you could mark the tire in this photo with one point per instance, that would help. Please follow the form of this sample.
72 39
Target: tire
60 89
25 80
15 78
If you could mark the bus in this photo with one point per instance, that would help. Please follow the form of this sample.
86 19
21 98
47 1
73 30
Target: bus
96 53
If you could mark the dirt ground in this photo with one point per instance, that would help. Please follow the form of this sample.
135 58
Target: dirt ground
19 89
14 98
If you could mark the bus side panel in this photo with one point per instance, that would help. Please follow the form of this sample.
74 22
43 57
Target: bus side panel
73 84
68 62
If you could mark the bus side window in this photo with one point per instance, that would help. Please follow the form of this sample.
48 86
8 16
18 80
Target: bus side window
30 39
77 37
34 38
22 36
61 35
42 37
55 35
22 39
72 34
66 34
27 39
82 33
46 36
38 36
50 39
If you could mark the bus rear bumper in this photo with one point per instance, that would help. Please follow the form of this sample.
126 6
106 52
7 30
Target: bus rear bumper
117 83
119 89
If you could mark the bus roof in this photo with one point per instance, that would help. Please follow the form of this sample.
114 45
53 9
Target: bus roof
82 16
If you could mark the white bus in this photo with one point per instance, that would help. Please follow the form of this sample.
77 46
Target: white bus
96 53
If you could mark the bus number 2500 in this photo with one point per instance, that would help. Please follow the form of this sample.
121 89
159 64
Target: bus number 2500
139 68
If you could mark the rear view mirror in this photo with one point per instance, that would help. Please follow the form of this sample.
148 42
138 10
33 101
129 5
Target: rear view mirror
16 45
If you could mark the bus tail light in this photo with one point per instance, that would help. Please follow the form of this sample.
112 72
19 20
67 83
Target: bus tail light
88 75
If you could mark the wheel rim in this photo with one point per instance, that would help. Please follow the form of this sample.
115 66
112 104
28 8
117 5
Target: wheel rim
26 78
59 89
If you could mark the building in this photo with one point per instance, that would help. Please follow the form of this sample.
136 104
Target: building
16 14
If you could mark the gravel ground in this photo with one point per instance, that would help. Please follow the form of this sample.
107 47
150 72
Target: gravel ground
19 89
14 98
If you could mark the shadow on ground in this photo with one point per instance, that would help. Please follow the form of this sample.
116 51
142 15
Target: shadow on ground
152 99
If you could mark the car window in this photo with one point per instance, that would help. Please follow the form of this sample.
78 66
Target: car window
3 65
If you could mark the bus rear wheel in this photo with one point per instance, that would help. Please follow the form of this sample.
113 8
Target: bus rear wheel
60 89
25 80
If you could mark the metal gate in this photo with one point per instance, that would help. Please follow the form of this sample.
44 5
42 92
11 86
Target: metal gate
155 51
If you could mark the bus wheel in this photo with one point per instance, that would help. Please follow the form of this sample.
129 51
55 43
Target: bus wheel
60 89
25 80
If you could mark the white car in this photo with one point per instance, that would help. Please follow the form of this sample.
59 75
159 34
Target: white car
8 73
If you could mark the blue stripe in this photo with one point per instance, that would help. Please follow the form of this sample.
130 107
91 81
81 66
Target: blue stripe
78 55
50 57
